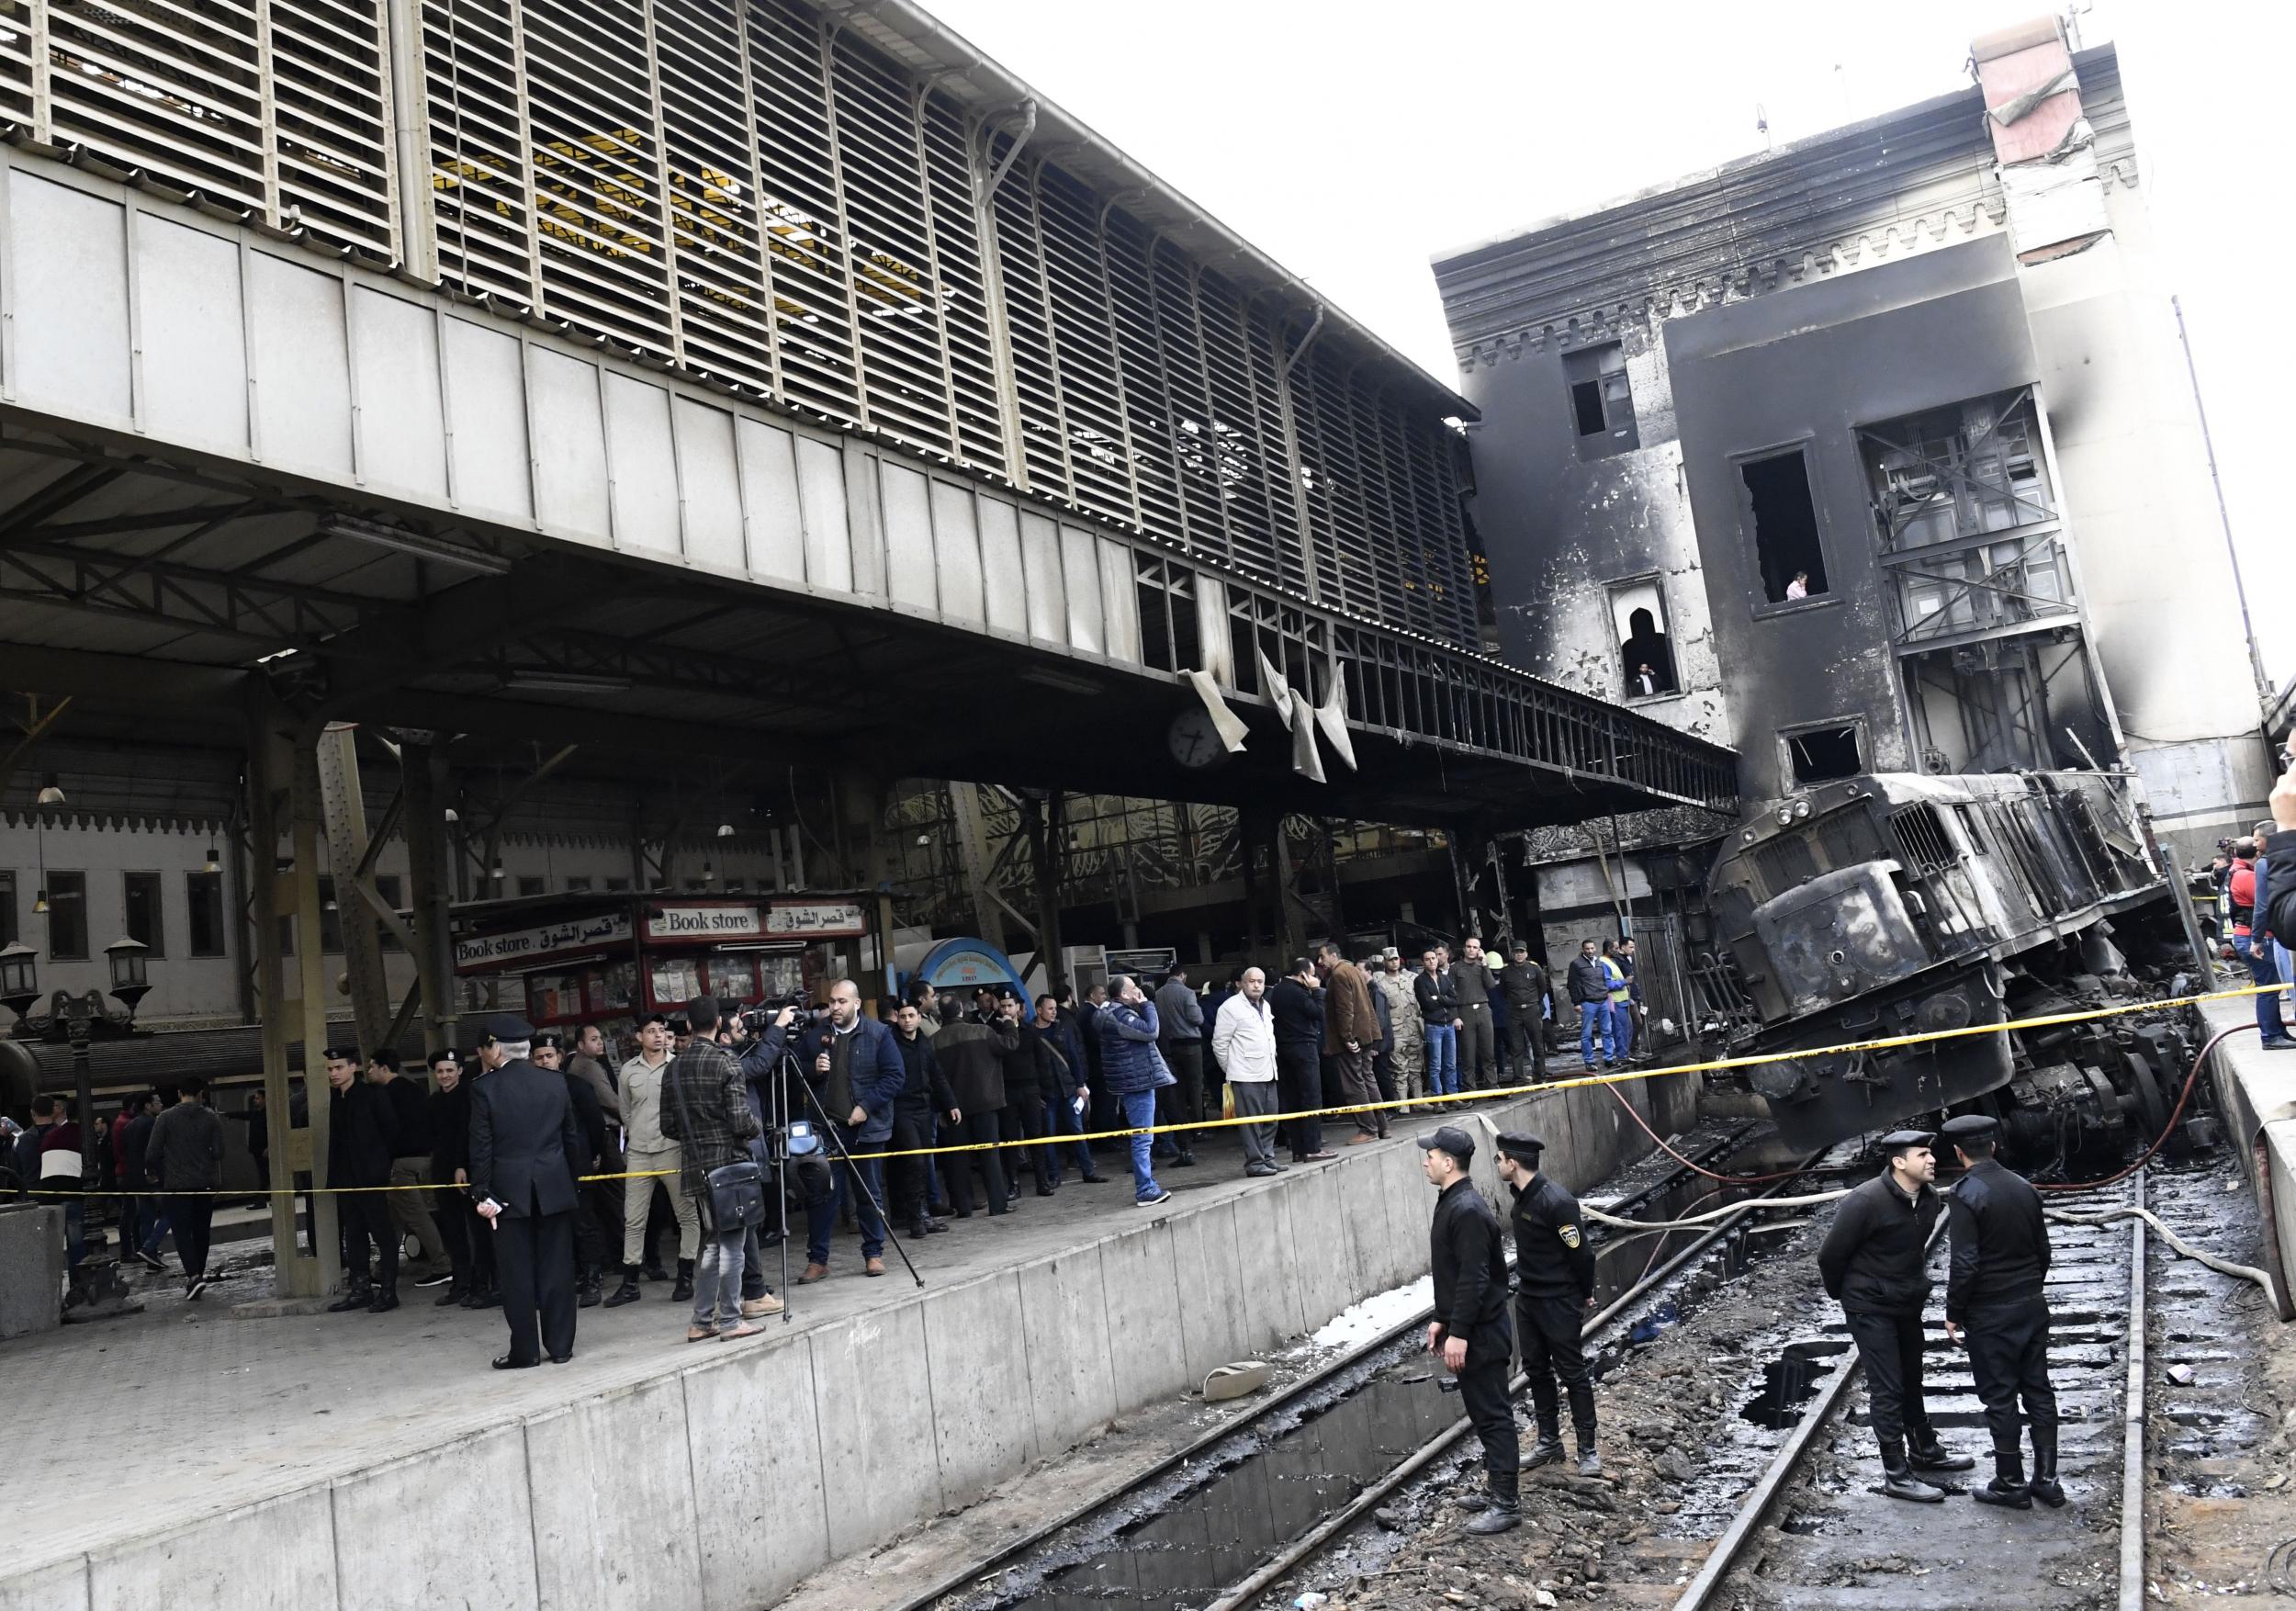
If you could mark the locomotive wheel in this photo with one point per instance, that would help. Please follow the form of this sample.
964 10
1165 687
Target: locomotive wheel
2149 1101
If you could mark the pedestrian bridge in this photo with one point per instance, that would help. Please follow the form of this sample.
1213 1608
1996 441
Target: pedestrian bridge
682 377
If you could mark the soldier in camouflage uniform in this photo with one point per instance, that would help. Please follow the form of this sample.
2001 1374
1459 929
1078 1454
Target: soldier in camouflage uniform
1409 1046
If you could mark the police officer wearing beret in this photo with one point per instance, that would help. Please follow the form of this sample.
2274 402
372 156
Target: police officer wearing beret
1554 1272
1875 1262
1993 1292
524 1145
1471 1325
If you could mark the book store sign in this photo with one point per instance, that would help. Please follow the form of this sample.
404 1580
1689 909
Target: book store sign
705 923
519 946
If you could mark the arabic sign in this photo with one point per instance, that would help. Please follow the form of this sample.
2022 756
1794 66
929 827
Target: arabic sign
704 923
520 946
817 918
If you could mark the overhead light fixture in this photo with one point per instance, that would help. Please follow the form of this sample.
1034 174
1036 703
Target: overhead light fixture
422 544
453 815
567 682
40 900
214 863
724 830
709 873
497 874
50 790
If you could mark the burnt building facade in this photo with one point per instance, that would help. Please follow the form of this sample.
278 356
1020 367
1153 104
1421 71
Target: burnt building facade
1874 453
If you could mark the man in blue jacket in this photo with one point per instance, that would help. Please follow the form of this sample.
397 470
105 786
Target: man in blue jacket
1129 1063
856 1074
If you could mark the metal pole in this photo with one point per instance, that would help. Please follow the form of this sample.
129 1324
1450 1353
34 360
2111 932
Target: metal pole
84 1094
2223 515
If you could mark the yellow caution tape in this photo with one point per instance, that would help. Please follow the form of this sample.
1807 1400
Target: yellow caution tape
1063 1138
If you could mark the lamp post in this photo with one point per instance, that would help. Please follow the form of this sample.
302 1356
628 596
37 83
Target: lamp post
75 1019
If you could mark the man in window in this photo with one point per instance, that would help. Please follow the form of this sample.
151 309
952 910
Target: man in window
1645 680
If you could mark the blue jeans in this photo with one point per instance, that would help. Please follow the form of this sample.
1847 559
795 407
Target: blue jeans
1622 1028
1139 1108
1443 1060
2263 968
1594 1022
1061 1120
821 1216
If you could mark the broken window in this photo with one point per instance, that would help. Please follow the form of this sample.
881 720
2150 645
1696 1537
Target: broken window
1818 755
1601 402
1646 650
1785 526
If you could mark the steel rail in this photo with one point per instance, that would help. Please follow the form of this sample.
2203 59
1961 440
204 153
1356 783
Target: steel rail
1701 1592
975 1572
1339 1521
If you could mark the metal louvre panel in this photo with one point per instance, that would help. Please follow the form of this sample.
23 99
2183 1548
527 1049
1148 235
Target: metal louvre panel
1194 445
882 172
176 92
1442 539
1328 492
1379 428
1147 405
332 114
963 304
1099 447
598 174
479 192
798 197
1036 364
1279 477
15 61
1236 434
719 259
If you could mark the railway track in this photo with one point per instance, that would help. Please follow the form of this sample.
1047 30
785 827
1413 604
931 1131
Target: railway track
1220 1521
1811 1532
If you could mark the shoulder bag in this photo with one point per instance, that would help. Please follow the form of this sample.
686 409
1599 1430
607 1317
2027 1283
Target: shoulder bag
736 1190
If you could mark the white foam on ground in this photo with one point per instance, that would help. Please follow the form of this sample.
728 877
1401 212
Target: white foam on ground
1375 1314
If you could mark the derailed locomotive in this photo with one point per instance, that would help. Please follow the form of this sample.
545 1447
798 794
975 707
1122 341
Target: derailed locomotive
1889 904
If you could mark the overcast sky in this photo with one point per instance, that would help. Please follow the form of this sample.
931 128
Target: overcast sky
1352 140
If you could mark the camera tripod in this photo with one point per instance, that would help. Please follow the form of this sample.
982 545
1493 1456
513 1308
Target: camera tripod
791 1064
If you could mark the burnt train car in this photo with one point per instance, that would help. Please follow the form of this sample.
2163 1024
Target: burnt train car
1894 903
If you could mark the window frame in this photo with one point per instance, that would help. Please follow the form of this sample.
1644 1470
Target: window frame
1749 530
50 876
156 944
1656 582
1616 435
1861 734
195 880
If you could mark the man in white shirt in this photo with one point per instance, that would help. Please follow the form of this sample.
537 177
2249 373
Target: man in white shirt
649 1150
1243 1041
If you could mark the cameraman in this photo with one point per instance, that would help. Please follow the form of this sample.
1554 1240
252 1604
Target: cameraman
761 1038
857 1074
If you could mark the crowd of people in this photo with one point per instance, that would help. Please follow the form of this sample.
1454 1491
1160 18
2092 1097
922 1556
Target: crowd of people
840 1113
2244 882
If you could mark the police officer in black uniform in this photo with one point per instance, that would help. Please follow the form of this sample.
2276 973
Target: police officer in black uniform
1874 1263
1471 1325
525 1150
1554 1274
1994 1293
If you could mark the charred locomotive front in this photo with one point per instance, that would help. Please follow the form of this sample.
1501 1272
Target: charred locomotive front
1892 905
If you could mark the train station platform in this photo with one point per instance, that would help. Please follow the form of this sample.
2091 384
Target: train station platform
191 1458
2256 1092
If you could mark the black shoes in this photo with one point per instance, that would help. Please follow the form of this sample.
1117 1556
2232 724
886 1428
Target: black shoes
1897 1479
459 1293
386 1299
435 1278
589 1291
684 1291
1503 1515
2009 1495
627 1292
511 1362
653 1271
1590 1462
359 1297
1547 1451
1931 1456
1090 1179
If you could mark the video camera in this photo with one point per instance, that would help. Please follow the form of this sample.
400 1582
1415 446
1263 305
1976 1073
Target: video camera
756 1020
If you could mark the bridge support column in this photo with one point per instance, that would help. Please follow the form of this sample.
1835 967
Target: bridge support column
424 777
351 859
283 804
